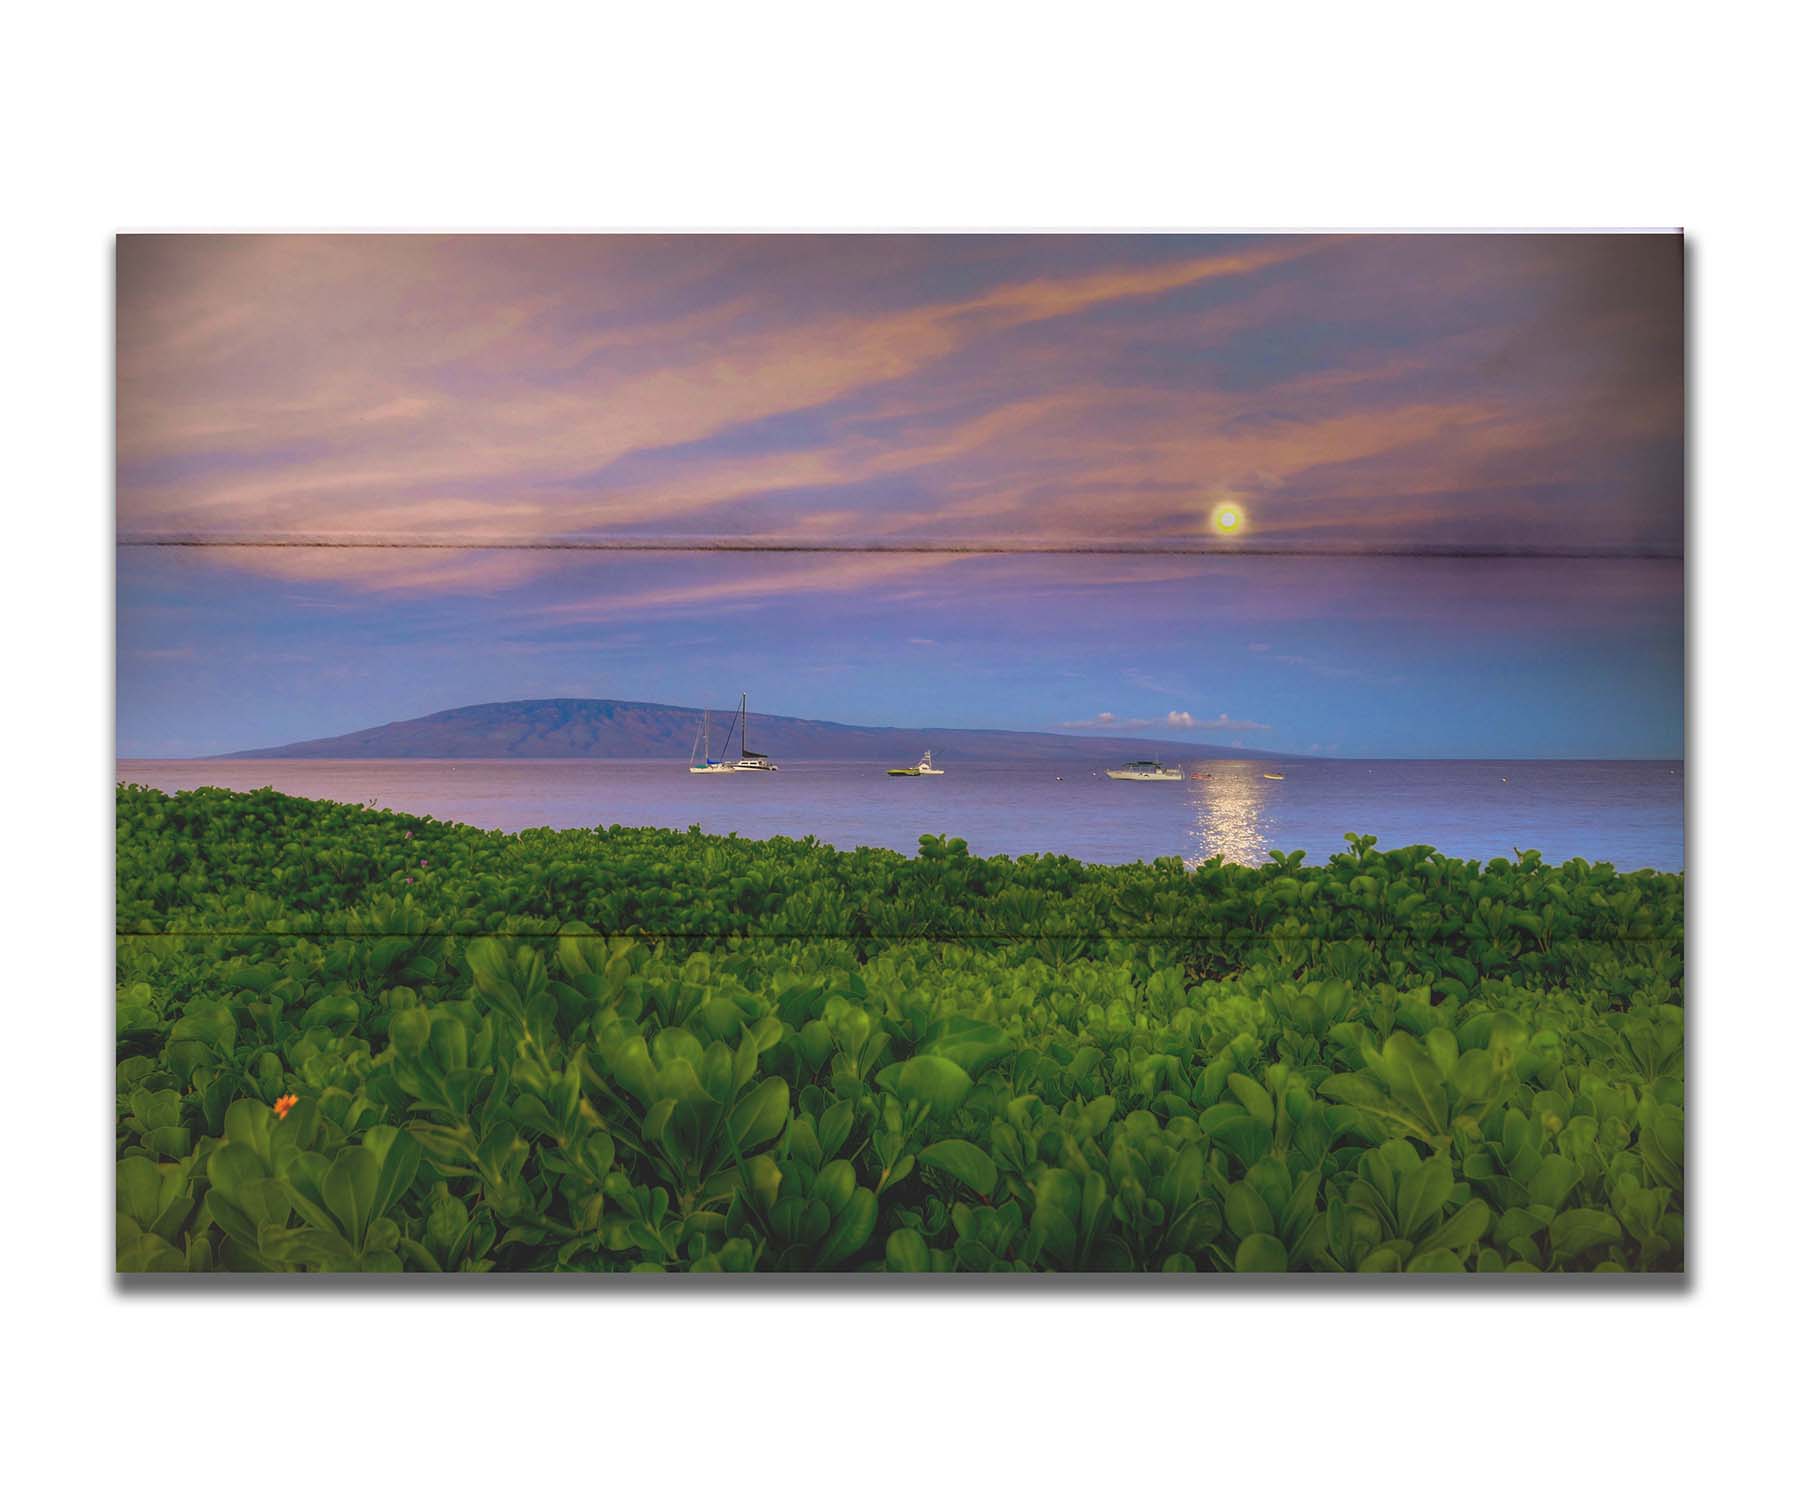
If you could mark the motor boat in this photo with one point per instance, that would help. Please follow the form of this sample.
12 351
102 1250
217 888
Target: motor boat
1145 770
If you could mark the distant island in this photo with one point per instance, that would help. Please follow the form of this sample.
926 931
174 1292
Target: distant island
610 729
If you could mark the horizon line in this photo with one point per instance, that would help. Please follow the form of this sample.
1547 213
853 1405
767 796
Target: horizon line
1198 546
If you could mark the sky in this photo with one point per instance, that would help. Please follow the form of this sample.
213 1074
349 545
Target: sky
1350 495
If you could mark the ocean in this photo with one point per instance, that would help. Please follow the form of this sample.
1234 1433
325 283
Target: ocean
1628 813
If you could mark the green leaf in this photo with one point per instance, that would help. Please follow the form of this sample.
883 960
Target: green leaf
1261 1253
349 1192
906 1251
209 1022
1246 1139
409 1030
1247 1213
1575 1230
835 1185
1421 1193
964 1161
576 949
398 1155
851 1231
248 1123
139 1190
489 963
1254 1097
1354 1089
1461 1230
972 1045
935 1083
835 1125
760 1115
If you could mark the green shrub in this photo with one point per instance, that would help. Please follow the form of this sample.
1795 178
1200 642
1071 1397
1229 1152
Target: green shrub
632 1049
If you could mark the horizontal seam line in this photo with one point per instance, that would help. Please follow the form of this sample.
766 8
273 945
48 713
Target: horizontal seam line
913 548
934 935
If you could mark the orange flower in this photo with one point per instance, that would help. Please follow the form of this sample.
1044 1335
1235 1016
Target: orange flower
284 1104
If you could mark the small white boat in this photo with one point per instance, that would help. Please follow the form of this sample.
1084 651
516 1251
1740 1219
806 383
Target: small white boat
1274 776
700 760
1145 770
924 768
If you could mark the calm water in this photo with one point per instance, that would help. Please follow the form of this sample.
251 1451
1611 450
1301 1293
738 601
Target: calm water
1626 812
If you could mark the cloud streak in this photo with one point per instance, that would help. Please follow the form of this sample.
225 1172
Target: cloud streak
1427 389
1176 719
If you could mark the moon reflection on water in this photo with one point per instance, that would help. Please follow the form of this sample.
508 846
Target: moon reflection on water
1230 815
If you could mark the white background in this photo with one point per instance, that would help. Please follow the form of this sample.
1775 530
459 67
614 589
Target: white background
918 116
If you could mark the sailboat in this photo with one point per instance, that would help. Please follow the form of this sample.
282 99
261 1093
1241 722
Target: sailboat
923 768
700 760
748 759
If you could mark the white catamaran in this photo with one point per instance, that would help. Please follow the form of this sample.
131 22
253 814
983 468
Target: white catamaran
1145 770
700 760
748 759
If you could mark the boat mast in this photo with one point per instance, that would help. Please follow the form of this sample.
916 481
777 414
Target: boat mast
744 727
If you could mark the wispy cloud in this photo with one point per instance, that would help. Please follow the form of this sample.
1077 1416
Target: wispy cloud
1334 670
747 586
1178 719
1141 679
1222 722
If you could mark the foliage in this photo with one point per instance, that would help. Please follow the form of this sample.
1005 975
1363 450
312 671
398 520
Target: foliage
631 1049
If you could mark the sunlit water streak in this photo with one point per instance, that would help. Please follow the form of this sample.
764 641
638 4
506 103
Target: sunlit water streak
1228 814
1626 812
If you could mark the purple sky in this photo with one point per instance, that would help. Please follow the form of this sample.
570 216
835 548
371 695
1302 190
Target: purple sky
1384 393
